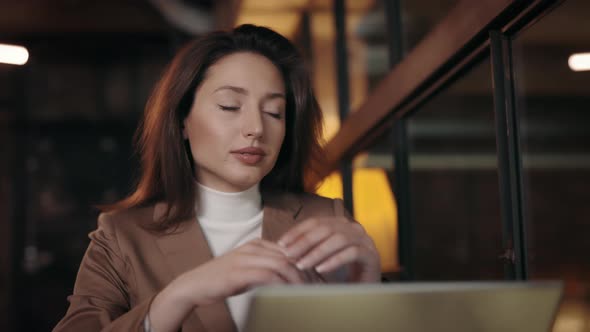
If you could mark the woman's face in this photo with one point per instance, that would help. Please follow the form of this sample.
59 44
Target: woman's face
236 124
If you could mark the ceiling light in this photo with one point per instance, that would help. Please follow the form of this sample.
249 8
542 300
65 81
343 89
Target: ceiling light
579 62
13 54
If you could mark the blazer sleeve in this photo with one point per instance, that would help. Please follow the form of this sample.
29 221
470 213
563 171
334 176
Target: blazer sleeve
101 301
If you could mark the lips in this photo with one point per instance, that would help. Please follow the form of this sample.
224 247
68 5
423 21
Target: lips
249 155
250 150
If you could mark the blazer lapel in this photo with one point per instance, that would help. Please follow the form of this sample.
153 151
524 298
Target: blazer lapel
280 211
183 250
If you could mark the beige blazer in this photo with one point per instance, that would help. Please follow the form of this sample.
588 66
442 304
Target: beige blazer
125 265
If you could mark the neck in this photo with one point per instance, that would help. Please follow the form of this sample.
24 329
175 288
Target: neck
228 207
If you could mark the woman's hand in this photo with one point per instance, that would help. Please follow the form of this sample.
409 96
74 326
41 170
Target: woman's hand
328 243
258 262
255 263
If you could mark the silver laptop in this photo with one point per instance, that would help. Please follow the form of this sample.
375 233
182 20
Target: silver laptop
406 307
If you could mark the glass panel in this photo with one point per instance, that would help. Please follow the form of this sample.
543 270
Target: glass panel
554 121
454 183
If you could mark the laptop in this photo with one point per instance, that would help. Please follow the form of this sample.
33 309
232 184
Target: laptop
406 307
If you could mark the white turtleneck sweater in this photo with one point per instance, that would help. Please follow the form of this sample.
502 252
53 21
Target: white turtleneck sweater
228 221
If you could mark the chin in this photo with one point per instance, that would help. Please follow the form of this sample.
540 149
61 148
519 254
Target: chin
245 181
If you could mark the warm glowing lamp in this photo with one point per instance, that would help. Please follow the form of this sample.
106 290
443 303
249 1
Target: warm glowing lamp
13 54
579 62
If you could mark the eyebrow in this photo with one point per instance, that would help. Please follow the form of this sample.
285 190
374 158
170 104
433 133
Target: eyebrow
242 91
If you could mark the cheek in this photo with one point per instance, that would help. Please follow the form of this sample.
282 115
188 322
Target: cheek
197 133
209 136
201 128
193 129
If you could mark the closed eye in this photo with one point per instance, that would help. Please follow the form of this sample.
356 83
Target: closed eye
276 115
228 108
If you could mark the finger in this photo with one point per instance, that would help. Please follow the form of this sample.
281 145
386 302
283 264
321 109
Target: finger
298 230
272 246
347 256
279 265
330 246
257 248
307 241
313 238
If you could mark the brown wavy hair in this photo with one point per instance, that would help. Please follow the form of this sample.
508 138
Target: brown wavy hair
167 169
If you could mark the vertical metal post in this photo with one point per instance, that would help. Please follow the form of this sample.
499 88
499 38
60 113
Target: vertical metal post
509 159
343 93
402 192
393 21
399 138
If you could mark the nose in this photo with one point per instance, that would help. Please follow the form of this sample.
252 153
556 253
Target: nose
252 126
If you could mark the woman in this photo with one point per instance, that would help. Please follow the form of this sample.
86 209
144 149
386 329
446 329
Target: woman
220 207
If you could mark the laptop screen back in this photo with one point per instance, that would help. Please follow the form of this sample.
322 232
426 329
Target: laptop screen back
410 307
